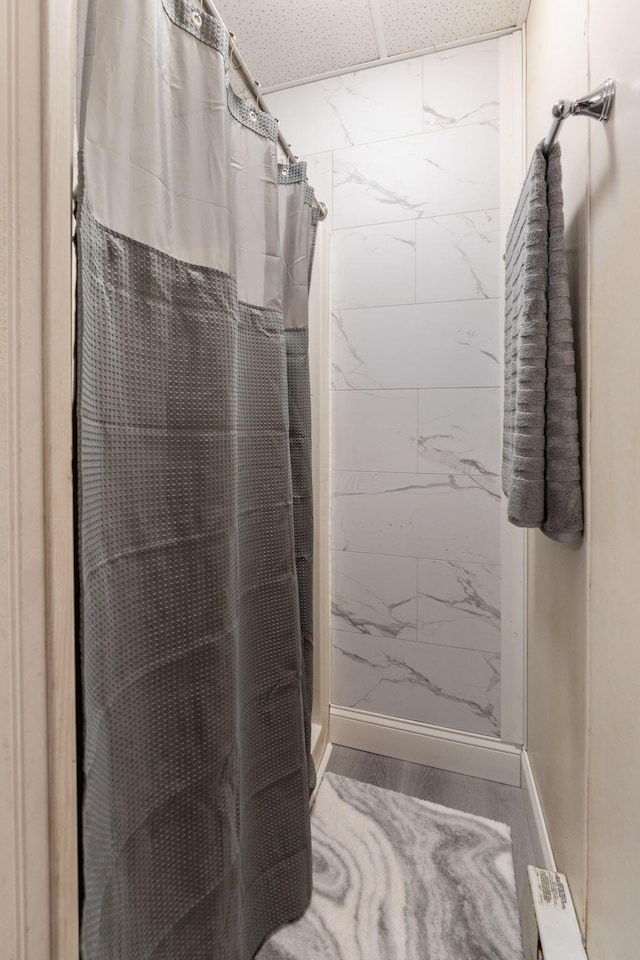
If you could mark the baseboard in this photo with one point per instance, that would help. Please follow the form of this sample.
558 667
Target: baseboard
535 816
320 771
471 754
316 733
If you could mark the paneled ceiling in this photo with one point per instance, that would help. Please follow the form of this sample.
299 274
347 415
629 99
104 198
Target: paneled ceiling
284 41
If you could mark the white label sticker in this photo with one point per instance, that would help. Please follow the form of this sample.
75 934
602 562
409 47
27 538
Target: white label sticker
551 890
560 934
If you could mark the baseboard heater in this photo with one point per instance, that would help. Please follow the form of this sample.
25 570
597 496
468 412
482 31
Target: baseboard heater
559 932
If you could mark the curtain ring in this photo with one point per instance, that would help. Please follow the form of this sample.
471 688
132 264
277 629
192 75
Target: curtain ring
196 16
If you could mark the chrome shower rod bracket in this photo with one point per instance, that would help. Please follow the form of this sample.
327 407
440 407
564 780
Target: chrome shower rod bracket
597 105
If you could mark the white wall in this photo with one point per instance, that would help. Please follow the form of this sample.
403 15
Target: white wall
584 689
613 838
557 66
27 834
407 157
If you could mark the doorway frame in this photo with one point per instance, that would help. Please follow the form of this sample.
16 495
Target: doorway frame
58 87
38 813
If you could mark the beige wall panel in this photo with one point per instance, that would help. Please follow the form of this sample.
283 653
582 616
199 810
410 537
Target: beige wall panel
557 66
24 828
613 914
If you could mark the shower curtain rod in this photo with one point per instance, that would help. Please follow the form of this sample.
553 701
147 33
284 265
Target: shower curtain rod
254 89
597 105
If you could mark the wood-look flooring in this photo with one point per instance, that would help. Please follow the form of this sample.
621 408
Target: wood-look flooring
497 801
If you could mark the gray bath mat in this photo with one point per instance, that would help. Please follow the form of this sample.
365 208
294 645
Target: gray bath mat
397 878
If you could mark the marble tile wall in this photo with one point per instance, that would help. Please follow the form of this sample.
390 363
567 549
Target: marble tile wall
407 157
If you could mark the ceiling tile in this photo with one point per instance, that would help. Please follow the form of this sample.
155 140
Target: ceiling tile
415 24
286 40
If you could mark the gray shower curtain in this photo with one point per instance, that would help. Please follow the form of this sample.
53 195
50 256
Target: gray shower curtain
193 475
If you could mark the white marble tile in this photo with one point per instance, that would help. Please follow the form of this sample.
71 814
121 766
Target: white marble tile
424 345
320 177
374 429
377 104
444 686
458 257
433 174
374 594
373 266
459 604
461 85
459 431
417 515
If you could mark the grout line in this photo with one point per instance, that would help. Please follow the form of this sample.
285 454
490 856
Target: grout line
393 556
422 95
408 473
430 216
426 303
417 425
418 597
393 389
415 261
332 214
403 556
413 303
424 643
316 153
402 138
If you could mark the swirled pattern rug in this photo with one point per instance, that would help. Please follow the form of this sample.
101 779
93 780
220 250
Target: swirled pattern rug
397 878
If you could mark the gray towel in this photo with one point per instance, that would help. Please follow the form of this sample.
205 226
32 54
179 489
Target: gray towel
541 452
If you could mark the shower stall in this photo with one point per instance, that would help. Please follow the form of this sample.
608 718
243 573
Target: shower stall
421 161
417 600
